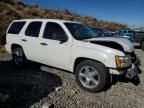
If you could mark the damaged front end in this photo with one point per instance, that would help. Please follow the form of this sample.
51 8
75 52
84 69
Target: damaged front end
109 44
131 70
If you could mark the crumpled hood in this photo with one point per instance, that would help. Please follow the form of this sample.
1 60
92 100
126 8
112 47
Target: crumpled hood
125 43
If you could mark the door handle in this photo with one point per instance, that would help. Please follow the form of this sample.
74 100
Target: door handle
24 40
44 44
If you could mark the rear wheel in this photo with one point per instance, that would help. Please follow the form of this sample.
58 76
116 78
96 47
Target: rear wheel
18 56
92 76
142 45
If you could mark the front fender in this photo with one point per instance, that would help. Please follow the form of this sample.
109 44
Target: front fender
105 57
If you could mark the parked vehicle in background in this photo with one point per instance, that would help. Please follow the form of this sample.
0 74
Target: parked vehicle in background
125 33
139 39
112 33
74 47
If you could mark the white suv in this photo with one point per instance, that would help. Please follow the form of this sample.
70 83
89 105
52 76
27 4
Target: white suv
74 47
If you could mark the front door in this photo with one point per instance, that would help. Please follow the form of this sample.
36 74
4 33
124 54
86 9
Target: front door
55 46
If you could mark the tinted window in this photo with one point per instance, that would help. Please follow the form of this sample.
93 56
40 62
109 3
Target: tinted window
52 29
16 27
33 29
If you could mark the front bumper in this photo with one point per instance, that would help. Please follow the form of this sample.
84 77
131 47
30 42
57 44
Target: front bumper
130 72
137 62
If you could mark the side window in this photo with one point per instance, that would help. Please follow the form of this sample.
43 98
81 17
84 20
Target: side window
33 29
16 27
52 30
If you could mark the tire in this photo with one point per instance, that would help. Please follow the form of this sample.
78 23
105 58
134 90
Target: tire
142 45
95 79
19 56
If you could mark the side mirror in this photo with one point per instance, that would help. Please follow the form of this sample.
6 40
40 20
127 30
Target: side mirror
60 37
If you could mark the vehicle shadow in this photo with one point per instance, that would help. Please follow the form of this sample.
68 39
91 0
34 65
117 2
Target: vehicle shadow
135 81
25 85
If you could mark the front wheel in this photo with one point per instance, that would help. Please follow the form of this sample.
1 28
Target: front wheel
18 56
92 76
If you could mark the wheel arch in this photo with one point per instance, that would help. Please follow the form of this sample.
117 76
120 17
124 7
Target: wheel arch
80 59
13 46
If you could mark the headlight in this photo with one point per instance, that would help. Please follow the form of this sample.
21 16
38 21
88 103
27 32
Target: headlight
123 61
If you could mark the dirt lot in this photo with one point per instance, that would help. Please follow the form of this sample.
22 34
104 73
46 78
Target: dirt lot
34 85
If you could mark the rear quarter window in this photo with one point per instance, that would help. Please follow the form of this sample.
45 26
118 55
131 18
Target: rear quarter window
16 27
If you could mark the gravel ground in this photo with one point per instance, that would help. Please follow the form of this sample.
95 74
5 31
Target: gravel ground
34 85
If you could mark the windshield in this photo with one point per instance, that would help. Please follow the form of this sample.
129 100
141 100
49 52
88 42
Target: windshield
80 31
101 32
107 34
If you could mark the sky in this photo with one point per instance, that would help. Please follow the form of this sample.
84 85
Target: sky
129 12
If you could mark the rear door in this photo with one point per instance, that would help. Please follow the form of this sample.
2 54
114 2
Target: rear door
30 40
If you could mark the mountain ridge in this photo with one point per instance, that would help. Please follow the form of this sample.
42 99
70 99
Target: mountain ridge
14 9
